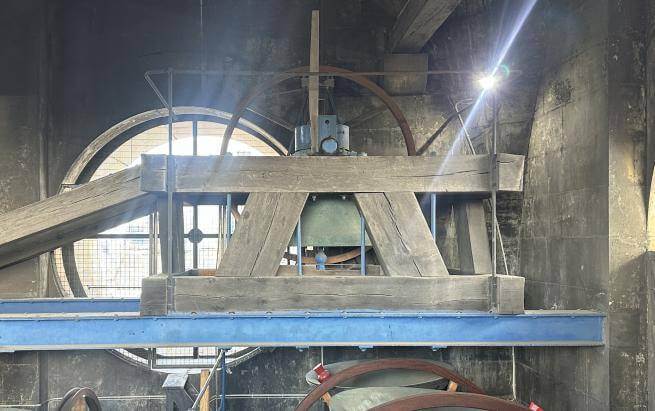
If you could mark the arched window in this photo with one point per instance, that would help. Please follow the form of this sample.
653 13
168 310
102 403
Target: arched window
113 263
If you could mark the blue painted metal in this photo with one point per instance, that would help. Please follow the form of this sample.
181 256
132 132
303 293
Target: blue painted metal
320 259
292 329
69 305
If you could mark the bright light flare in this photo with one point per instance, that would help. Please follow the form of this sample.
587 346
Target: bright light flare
488 82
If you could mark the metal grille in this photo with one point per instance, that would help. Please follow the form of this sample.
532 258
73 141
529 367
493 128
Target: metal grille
113 263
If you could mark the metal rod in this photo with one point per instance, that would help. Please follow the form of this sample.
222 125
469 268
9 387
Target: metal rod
157 91
228 212
255 73
299 247
494 182
219 360
169 178
195 206
223 383
501 244
362 244
433 215
152 241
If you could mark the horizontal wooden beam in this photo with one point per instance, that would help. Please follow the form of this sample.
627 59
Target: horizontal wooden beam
231 294
224 174
417 22
64 218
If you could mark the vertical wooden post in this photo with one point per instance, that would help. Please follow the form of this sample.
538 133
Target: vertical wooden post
314 81
177 236
204 401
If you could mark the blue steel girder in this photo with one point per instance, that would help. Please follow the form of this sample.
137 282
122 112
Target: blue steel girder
43 328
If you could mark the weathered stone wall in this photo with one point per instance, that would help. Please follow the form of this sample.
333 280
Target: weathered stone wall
582 238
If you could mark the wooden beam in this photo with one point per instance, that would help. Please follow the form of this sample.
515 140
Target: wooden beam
233 174
417 22
204 401
472 237
229 294
313 86
262 234
399 234
178 259
71 216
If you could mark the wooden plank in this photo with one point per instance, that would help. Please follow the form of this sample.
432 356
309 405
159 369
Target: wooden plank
417 22
313 86
64 218
233 294
401 238
233 174
262 234
204 401
472 237
178 235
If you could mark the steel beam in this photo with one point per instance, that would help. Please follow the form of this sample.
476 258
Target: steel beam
53 330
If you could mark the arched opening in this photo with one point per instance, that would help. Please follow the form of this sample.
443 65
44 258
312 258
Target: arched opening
113 263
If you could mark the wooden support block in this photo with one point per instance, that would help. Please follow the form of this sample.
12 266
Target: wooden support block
154 295
234 294
509 294
347 174
400 236
71 216
472 237
178 234
262 234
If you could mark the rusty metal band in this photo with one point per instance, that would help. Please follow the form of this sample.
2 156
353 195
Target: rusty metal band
337 72
449 399
376 365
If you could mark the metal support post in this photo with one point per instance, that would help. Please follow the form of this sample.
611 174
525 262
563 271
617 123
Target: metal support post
299 247
169 178
493 172
433 215
195 206
362 244
223 382
219 360
228 211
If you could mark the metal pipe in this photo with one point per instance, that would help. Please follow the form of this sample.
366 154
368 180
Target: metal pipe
169 178
157 91
152 244
433 215
494 180
219 360
228 212
362 244
195 206
223 383
299 247
255 73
